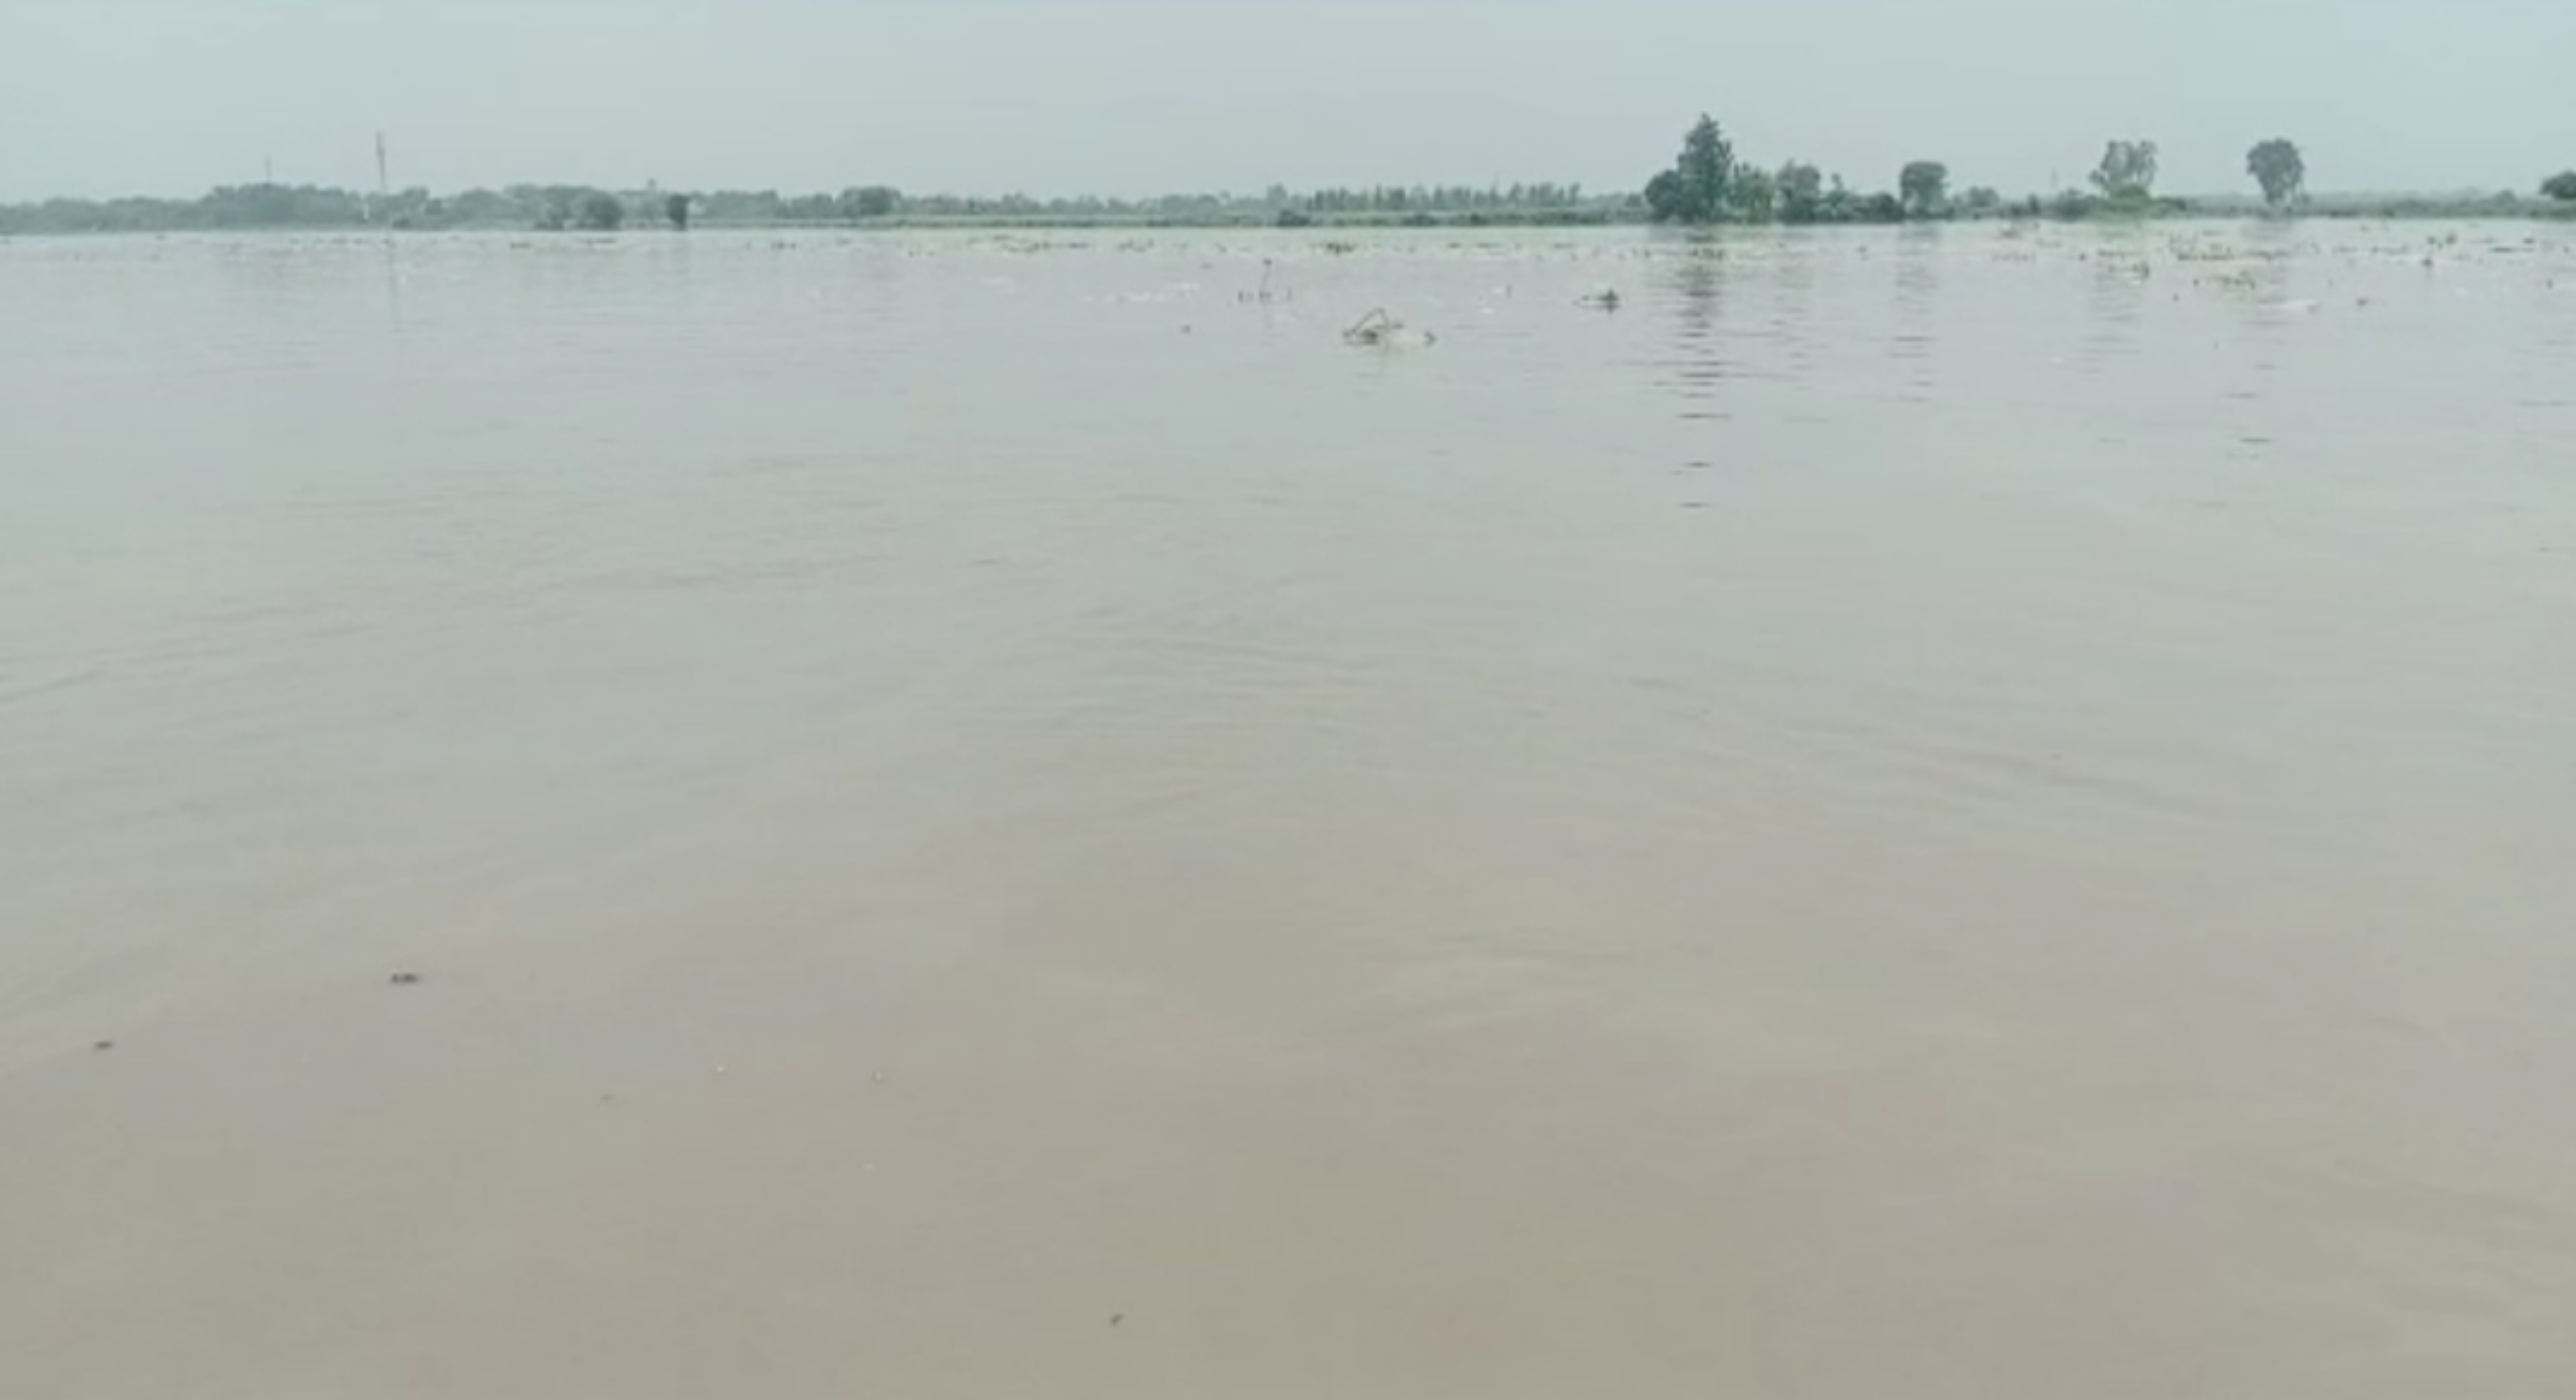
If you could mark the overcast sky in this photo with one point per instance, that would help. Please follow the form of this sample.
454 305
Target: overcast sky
1142 96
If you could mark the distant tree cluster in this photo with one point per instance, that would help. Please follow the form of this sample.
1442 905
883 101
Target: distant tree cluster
231 207
591 211
771 207
2561 186
2127 174
552 208
1395 199
581 208
1924 189
1707 184
1390 203
311 207
2279 169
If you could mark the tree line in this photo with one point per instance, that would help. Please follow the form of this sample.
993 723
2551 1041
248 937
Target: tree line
585 208
1708 184
539 207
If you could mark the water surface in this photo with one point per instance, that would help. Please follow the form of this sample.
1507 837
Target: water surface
1948 814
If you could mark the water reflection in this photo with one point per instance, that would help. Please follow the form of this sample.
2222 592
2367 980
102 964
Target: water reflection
2548 295
2250 272
1791 324
393 281
1918 285
2123 272
1696 282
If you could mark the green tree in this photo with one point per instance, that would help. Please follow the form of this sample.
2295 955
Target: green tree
2560 186
2127 173
1838 203
2277 166
1801 197
1664 197
1982 201
1924 186
599 212
869 202
1707 167
676 209
1754 194
1696 192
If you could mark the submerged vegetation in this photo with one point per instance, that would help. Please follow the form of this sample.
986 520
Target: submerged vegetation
1707 183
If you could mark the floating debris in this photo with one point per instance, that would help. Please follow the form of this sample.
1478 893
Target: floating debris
406 979
1380 330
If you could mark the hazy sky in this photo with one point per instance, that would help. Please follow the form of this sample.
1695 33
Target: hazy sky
1140 96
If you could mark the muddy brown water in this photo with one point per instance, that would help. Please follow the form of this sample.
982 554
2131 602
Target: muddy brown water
1947 815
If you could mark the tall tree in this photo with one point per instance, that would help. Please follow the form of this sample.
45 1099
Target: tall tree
1707 166
2560 186
2278 167
2128 171
1694 191
1924 185
676 209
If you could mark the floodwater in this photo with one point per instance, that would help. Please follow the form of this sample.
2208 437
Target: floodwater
1956 814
